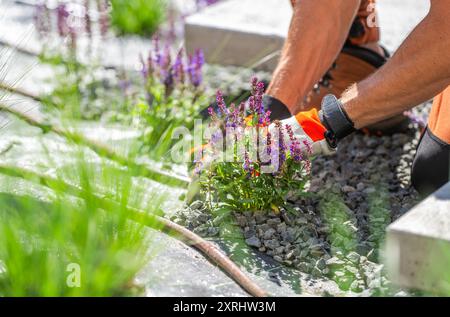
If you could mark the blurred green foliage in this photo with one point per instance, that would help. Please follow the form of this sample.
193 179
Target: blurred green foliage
76 245
137 17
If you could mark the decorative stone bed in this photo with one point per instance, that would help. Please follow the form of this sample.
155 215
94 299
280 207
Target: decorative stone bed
338 229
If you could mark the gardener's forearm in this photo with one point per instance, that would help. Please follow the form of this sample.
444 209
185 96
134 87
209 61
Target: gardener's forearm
416 73
317 33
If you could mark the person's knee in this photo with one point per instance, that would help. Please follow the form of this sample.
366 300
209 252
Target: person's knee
431 166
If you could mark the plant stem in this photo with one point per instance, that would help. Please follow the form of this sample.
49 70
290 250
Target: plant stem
18 91
102 150
150 220
22 92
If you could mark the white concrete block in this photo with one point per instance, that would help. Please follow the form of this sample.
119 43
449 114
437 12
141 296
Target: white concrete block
418 245
240 32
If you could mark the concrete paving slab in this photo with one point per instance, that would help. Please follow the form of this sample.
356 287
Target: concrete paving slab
240 32
418 245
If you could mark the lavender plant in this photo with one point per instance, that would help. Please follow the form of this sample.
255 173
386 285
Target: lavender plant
258 173
173 91
179 75
82 90
69 21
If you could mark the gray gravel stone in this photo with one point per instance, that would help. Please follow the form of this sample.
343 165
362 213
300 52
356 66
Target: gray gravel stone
253 242
196 205
248 233
348 189
360 187
267 235
287 219
271 244
278 258
241 221
274 222
260 218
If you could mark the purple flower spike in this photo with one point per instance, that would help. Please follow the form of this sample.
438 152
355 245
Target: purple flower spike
255 102
235 115
200 58
87 18
290 132
166 59
221 103
252 104
198 79
213 114
308 147
195 67
307 166
248 166
174 71
168 80
260 88
295 147
62 17
266 121
42 18
254 83
164 66
102 7
296 152
259 97
157 50
269 143
179 68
